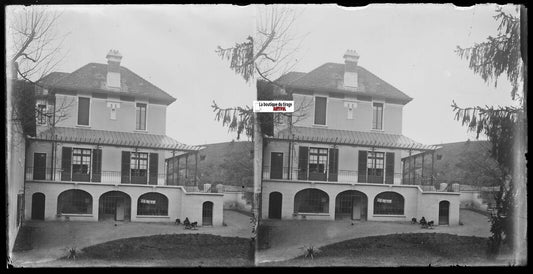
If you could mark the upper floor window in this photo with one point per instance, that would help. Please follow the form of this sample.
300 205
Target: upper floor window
81 164
83 111
139 164
318 158
41 114
375 166
318 164
320 110
377 117
140 116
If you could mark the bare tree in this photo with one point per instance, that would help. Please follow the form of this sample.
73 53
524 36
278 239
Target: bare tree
35 44
34 49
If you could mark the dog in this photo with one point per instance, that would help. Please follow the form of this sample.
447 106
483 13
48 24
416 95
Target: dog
413 221
193 225
423 223
178 221
430 224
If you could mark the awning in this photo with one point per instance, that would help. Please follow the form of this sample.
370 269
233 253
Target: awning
114 138
347 137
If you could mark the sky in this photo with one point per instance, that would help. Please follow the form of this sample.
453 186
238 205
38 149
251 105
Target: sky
173 47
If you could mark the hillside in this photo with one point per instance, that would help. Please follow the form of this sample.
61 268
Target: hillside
467 163
229 163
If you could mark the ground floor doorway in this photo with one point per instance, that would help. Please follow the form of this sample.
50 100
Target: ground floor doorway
444 213
274 205
37 206
207 213
114 206
351 204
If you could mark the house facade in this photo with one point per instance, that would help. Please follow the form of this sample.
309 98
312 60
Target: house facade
101 152
342 154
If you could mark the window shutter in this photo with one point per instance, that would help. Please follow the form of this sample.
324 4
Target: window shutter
97 165
320 110
66 163
302 163
361 173
153 168
125 167
83 111
389 168
333 164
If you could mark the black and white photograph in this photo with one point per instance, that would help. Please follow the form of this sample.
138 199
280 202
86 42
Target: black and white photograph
203 135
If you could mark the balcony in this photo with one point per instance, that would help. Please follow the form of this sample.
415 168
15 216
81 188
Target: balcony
112 177
427 184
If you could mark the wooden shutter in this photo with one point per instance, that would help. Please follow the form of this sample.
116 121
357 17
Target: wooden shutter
97 165
83 111
320 110
389 168
153 169
66 163
125 174
333 164
302 163
361 173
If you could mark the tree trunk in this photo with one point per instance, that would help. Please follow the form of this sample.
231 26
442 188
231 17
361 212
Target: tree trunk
258 169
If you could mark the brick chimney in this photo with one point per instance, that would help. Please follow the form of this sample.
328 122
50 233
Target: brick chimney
350 69
113 69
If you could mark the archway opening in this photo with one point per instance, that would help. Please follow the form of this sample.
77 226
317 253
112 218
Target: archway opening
274 205
444 213
74 201
351 204
115 206
207 213
37 206
311 200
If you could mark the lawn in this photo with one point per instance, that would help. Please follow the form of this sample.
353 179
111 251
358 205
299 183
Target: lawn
189 250
410 249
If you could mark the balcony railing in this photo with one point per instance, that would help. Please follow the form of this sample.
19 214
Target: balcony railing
112 177
349 176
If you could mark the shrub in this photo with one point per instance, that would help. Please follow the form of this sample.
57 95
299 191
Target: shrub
310 251
72 253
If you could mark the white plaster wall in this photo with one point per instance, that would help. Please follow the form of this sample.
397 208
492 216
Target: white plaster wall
100 115
192 203
337 114
416 203
181 204
15 180
429 206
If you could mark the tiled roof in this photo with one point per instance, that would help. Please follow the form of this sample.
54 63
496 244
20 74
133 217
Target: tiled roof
361 138
53 77
93 76
327 76
290 77
105 137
